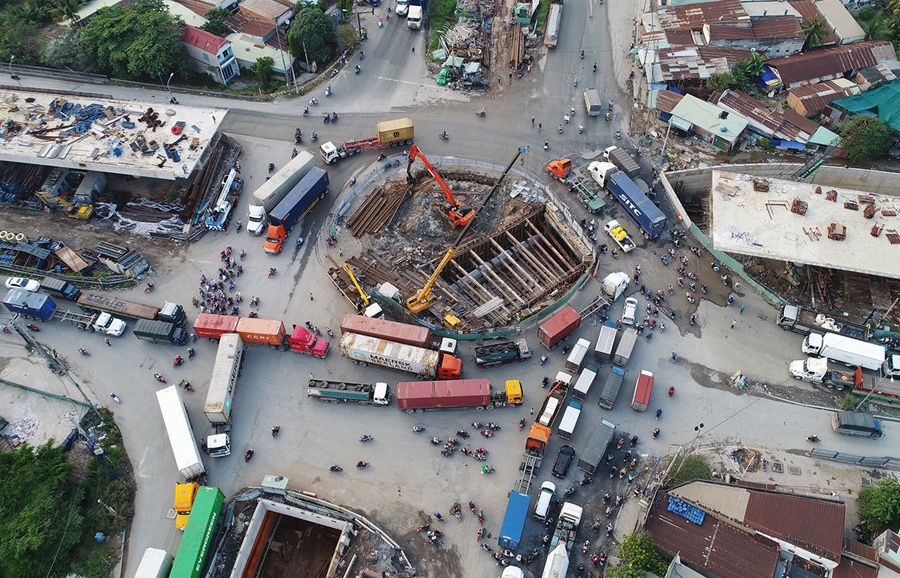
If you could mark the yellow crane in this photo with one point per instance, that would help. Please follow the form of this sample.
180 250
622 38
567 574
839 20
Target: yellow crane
422 299
362 294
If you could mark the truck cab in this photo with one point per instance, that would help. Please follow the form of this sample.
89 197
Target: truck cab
303 341
106 323
615 284
513 389
891 365
184 501
601 171
811 369
218 445
256 220
275 237
414 17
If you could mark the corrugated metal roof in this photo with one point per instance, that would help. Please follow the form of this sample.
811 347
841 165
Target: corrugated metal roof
696 15
808 11
840 20
718 31
267 9
815 97
834 60
803 125
852 569
724 500
814 525
750 108
666 100
861 550
696 62
777 27
763 9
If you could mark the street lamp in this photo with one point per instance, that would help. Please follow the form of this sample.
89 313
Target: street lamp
171 98
11 73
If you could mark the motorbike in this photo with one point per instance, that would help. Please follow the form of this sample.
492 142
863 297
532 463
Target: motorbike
362 55
481 113
327 118
358 69
485 469
272 272
360 465
418 429
477 425
543 359
521 424
186 385
148 287
618 135
658 414
365 438
559 129
305 110
585 481
545 382
487 433
570 491
328 89
247 455
115 397
595 67
813 438
380 157
335 468
671 392
462 433
159 378
444 135
656 433
313 101
546 146
314 137
634 441
329 332
178 361
435 441
582 54
334 117
586 546
493 426
83 351
33 327
275 431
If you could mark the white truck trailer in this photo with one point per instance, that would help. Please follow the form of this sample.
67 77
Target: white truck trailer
272 191
181 436
846 350
220 396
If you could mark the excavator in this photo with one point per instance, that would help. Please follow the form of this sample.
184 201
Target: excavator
460 215
421 300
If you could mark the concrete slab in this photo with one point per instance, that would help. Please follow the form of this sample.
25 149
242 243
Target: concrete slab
749 222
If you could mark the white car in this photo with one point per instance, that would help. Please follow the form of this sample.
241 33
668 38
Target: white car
630 310
402 7
22 283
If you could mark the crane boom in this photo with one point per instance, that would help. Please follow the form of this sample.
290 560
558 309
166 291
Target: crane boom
362 294
460 215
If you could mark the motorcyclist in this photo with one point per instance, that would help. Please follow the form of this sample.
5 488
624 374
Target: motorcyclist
358 69
658 413
543 359
159 378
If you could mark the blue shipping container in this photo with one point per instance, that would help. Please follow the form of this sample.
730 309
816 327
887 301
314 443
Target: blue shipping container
638 207
514 520
28 303
301 199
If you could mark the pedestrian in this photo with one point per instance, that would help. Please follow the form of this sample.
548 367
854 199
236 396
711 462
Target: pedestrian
413 49
737 286
340 252
540 126
674 356
733 322
106 340
311 376
510 76
742 309
373 11
532 121
532 411
725 280
310 296
499 79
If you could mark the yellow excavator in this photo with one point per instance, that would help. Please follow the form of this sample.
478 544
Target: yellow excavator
422 299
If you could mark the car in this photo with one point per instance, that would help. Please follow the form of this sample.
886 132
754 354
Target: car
563 461
630 311
22 283
402 7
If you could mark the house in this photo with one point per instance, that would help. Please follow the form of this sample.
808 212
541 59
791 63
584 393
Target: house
782 128
210 54
811 99
707 121
882 102
830 63
773 37
840 21
875 76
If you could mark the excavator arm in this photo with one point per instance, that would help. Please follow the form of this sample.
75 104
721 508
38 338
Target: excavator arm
460 216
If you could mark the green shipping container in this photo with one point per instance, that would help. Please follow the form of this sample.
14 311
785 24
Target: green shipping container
198 534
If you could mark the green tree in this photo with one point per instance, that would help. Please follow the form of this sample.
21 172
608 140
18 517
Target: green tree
722 81
865 138
346 7
878 26
64 51
215 22
264 71
639 551
18 37
65 10
624 571
136 42
693 467
815 29
752 67
312 34
879 505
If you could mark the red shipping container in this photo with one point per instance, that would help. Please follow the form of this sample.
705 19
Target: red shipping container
558 327
211 326
642 390
388 330
421 395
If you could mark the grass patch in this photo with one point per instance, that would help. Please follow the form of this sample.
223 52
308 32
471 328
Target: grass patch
543 14
441 17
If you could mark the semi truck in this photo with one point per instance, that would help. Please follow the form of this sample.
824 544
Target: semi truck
805 321
170 312
362 350
514 520
181 436
220 395
636 205
606 342
846 350
155 563
643 389
584 382
626 347
388 133
619 235
185 494
577 355
615 284
569 420
341 391
261 331
456 393
557 564
558 327
40 306
622 160
60 288
592 455
816 370
611 388
503 352
561 169
592 102
199 534
160 332
554 399
854 423
275 188
567 525
303 197
554 24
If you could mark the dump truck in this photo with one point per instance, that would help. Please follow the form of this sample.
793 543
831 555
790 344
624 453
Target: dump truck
261 331
611 388
593 453
558 327
846 350
626 347
554 24
816 370
561 169
220 395
592 102
619 235
622 160
584 382
554 399
577 355
569 420
503 352
190 560
303 197
805 321
155 563
181 436
457 393
341 391
514 520
389 133
169 312
362 350
605 342
643 389
160 332
185 494
60 288
854 423
273 190
567 525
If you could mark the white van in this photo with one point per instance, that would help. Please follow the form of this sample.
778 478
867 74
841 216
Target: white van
414 17
402 7
544 500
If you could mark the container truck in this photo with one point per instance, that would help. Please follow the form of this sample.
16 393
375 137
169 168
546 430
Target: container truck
40 306
853 423
557 564
29 304
405 333
592 102
567 525
213 327
554 23
816 370
60 288
155 563
160 332
185 494
220 395
514 520
606 342
846 350
637 206
199 535
615 284
554 399
502 352
805 321
459 393
303 197
622 160
569 420
577 355
559 327
274 189
262 331
584 382
362 350
619 235
341 391
169 312
181 436
626 347
611 388
592 455
642 391
389 133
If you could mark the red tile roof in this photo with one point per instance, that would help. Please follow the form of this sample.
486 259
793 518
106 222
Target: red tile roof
814 525
202 39
852 569
830 61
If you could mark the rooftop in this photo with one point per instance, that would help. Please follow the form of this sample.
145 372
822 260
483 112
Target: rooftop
831 61
777 27
709 117
763 9
761 224
840 20
265 9
109 136
205 41
883 101
808 11
815 97
696 15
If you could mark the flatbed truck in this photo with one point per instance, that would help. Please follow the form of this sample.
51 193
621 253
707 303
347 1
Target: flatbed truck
503 352
553 402
619 235
40 306
567 525
169 312
378 393
805 321
554 24
816 370
389 133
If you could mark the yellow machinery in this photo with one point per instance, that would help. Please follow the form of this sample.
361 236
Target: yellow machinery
362 294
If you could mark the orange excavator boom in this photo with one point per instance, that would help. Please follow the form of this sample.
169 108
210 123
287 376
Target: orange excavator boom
460 215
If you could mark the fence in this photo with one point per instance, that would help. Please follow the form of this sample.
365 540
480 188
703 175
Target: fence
886 463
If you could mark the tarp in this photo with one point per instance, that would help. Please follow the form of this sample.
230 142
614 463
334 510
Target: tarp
472 68
883 102
454 61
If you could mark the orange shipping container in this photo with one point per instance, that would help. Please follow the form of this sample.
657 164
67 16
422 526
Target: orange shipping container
266 331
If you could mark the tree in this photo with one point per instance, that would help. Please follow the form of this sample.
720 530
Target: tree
263 71
865 138
752 67
693 467
64 51
65 10
312 35
722 81
879 505
136 42
815 29
639 552
624 571
878 26
215 22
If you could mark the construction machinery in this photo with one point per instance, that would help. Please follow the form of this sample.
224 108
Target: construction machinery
460 215
362 294
421 300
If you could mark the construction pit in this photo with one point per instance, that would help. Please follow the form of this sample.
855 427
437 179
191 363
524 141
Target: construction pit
520 256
